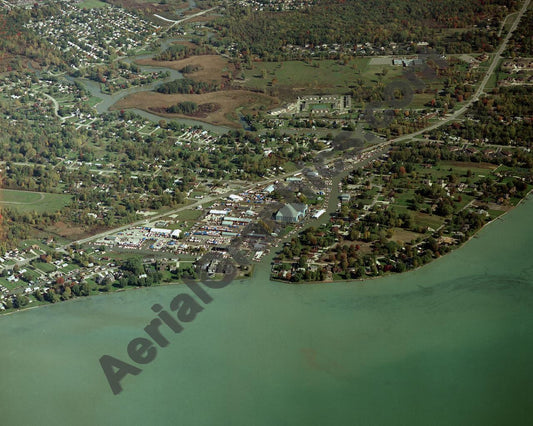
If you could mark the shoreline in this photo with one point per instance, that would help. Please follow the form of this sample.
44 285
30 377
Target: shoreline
269 259
390 274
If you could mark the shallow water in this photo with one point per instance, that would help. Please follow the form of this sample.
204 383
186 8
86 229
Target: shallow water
448 344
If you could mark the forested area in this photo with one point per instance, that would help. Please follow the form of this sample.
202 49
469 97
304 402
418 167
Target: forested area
183 108
378 22
521 42
17 45
180 51
188 86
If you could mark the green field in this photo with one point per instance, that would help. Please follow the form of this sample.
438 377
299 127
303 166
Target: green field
43 266
289 79
189 214
26 201
91 4
324 74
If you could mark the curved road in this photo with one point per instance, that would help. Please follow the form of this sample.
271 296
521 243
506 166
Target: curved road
452 117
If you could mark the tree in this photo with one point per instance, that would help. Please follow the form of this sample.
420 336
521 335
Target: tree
134 265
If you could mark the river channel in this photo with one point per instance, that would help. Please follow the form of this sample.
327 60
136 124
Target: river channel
109 100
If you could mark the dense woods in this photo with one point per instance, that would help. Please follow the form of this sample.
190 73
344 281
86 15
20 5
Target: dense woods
183 108
378 22
187 86
521 42
17 45
180 51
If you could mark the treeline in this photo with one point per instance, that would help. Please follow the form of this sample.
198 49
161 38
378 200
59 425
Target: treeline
186 107
431 152
187 86
521 42
16 225
180 51
379 22
189 69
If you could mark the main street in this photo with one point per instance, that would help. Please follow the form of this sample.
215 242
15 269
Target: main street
450 118
454 116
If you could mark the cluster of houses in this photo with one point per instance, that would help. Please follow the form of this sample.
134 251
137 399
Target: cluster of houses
92 33
333 50
276 5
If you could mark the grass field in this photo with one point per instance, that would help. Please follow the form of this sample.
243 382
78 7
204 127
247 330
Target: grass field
293 78
404 236
26 201
91 4
424 219
189 214
43 266
329 76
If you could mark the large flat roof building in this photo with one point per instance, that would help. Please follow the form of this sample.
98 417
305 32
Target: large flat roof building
291 213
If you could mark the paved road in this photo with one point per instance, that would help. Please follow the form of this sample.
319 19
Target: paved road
503 23
56 106
480 90
208 199
186 18
450 118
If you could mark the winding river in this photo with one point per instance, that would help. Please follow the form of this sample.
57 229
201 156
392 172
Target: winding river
109 100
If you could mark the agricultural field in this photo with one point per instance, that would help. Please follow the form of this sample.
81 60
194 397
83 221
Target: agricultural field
26 201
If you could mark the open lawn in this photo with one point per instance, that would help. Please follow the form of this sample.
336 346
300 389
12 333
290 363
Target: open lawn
469 165
424 219
11 285
189 214
459 168
43 266
404 236
228 101
326 76
26 201
91 4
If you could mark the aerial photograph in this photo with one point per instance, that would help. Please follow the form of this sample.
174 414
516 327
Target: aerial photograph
266 212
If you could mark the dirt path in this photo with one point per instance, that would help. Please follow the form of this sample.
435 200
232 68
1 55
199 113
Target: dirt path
41 198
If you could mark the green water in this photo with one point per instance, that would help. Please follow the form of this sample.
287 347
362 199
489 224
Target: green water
448 344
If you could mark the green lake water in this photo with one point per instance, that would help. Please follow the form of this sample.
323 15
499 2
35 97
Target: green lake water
448 344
